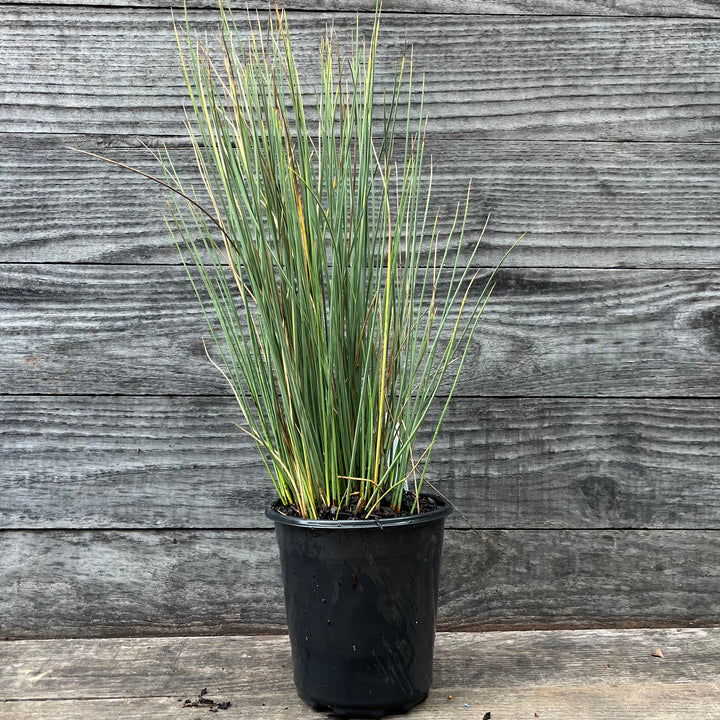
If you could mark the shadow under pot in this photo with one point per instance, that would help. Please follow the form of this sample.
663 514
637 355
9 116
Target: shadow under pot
361 600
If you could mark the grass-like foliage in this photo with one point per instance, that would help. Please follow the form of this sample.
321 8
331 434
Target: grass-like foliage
337 309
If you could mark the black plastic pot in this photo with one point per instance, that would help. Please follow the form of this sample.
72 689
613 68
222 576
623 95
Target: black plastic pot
361 599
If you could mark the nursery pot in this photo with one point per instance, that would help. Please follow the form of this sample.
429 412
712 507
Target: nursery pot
361 599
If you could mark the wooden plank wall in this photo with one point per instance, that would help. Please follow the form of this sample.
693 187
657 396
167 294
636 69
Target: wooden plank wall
585 444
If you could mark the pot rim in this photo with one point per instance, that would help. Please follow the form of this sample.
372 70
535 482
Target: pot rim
419 519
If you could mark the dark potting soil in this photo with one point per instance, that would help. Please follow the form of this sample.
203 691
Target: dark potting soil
205 702
384 511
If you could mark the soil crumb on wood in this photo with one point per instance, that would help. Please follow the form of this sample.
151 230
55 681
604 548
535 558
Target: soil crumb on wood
205 702
383 511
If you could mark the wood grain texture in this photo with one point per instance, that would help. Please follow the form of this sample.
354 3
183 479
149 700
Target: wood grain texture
562 675
114 71
127 583
135 505
642 8
113 329
254 663
553 578
605 205
623 702
102 584
166 462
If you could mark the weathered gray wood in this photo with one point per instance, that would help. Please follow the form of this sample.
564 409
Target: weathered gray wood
644 8
99 584
114 71
161 462
136 330
533 674
577 463
512 94
125 583
607 205
622 702
553 578
255 664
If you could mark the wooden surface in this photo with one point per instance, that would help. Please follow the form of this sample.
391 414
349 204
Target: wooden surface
115 583
172 462
584 441
560 675
580 208
642 8
105 329
498 77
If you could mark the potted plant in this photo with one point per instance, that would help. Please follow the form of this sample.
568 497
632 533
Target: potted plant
339 313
